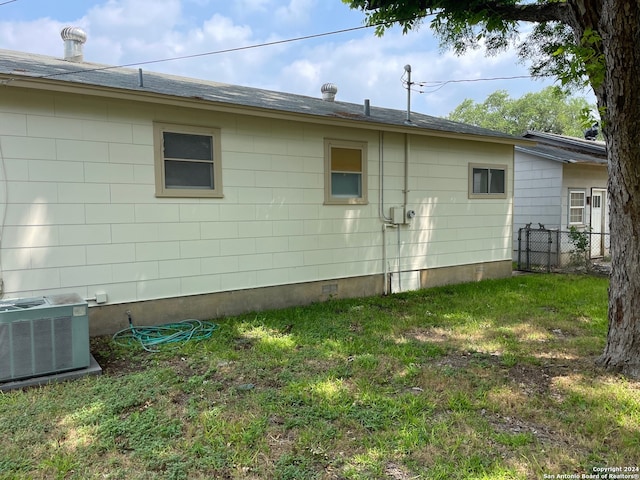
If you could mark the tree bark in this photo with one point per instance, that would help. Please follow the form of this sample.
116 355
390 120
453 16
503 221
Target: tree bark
620 96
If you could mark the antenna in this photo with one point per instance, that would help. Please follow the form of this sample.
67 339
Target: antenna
407 68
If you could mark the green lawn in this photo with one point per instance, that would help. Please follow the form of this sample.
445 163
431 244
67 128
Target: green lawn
490 380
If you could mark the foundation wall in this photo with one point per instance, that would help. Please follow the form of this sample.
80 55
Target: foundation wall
108 319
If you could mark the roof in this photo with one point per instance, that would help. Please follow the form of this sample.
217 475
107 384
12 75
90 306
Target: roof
39 71
565 149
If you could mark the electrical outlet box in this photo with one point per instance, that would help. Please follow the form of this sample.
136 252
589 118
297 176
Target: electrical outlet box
101 297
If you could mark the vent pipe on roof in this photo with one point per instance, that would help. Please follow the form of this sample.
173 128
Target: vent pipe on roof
367 107
74 38
329 91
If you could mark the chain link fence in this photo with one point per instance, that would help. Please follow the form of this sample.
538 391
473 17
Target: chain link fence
549 250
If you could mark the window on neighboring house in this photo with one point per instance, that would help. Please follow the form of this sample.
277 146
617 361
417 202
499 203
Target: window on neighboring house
487 181
345 172
577 201
187 161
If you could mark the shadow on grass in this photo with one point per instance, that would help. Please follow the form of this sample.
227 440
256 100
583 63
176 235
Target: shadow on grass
487 380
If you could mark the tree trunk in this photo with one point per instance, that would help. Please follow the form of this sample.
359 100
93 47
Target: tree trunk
619 27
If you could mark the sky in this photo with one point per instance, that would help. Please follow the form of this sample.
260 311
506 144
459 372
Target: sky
362 65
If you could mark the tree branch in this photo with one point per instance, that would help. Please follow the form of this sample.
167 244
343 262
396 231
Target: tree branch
539 12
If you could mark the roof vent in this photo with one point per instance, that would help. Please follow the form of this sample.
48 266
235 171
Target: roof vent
74 38
329 91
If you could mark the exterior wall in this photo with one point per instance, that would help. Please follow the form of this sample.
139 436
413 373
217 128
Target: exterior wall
538 194
82 215
582 177
449 228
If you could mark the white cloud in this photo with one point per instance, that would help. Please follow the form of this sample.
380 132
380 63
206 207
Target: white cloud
251 6
135 17
359 63
41 36
224 33
296 12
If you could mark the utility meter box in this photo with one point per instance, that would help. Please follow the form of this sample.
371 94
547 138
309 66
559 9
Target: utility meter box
397 215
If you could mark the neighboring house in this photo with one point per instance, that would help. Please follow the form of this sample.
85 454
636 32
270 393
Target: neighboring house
177 198
561 182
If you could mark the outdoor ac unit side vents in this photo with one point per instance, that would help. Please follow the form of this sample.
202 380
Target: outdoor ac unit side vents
43 336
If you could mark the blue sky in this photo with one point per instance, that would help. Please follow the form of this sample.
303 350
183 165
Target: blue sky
359 63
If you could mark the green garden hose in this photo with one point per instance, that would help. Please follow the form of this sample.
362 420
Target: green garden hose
151 338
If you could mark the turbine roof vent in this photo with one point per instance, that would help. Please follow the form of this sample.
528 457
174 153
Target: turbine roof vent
329 91
74 38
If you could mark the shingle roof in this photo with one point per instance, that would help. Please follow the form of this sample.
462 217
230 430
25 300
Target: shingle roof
24 66
565 149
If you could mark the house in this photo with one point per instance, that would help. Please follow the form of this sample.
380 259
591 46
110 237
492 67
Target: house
178 198
561 182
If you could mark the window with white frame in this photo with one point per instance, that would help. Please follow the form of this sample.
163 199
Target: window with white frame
345 172
487 181
577 202
187 161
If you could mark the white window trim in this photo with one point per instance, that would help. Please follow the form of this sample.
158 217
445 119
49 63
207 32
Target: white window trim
490 167
161 190
330 199
583 207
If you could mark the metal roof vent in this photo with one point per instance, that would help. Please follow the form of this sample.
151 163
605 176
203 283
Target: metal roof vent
74 38
329 91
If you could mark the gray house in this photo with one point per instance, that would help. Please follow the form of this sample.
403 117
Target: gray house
561 182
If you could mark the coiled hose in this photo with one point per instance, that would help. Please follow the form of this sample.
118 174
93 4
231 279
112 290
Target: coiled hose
151 338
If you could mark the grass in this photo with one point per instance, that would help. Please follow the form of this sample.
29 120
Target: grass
491 380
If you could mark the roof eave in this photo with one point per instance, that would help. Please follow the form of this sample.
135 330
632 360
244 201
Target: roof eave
141 95
558 159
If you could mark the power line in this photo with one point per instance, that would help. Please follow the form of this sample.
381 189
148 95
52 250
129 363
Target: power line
435 85
8 1
445 82
215 52
228 50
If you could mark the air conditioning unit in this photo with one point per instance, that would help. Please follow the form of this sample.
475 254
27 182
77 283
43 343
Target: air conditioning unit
41 336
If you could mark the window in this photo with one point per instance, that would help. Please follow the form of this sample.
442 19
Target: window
487 181
345 172
577 200
187 161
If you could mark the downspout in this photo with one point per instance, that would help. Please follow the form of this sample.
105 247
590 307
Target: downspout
385 270
399 267
405 192
383 217
386 221
405 202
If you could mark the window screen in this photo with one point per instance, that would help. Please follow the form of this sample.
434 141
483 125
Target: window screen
187 161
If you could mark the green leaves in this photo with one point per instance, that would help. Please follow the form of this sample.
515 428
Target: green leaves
550 110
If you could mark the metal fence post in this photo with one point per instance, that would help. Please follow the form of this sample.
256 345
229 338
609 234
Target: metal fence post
548 251
528 249
520 249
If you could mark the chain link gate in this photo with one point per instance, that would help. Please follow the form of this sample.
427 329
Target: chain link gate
538 249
